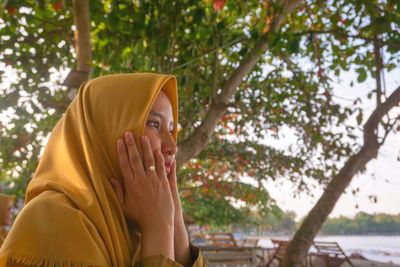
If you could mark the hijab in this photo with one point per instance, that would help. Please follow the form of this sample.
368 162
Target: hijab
5 202
72 216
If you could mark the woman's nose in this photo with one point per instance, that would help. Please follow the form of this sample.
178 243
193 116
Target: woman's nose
169 146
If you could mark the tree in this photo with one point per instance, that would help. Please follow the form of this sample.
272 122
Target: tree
363 224
297 249
381 28
121 45
247 71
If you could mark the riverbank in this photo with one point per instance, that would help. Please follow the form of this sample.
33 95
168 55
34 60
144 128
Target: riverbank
366 263
381 249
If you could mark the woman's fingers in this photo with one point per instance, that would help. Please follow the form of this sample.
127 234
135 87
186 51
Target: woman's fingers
160 165
144 195
134 156
172 173
148 159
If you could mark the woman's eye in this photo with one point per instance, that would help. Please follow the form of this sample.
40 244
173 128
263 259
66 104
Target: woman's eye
154 124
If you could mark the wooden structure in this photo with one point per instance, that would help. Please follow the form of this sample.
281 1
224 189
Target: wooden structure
222 250
279 253
330 252
250 242
225 240
280 249
231 256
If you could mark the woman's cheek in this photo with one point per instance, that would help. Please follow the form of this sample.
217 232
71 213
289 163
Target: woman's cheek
154 142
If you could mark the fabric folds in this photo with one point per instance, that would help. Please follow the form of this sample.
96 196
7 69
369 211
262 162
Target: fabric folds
72 216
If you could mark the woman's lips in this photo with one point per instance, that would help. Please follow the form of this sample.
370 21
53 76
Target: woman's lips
168 165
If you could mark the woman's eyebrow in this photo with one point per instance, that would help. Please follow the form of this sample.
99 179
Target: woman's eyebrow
157 114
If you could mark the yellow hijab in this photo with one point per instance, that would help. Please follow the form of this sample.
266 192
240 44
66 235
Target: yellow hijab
72 216
5 201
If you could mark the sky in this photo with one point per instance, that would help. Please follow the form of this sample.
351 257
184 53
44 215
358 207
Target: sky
382 177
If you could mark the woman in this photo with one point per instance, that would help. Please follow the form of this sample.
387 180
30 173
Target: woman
104 193
6 204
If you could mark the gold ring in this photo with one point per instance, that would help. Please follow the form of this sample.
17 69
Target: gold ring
151 168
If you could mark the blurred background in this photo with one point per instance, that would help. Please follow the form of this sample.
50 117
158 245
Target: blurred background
275 99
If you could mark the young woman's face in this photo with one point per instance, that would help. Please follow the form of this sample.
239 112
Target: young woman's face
159 127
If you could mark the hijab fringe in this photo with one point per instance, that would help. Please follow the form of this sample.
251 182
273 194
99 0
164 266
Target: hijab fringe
35 261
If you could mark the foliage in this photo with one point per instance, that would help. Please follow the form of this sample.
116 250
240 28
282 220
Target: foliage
288 92
33 44
363 224
281 222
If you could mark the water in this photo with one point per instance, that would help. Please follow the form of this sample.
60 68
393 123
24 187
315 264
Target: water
375 248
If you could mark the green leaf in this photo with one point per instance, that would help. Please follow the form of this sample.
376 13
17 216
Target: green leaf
362 75
294 44
359 117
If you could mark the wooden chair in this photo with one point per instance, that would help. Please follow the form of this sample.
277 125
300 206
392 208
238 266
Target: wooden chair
250 242
224 240
331 253
281 247
230 256
222 249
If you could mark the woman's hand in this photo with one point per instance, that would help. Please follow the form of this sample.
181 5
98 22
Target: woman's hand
182 250
145 195
173 185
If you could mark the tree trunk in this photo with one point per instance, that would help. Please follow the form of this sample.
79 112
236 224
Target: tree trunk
82 35
297 250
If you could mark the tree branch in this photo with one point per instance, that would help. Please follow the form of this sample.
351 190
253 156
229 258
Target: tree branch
190 147
82 35
388 129
215 66
372 123
336 32
237 40
378 70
